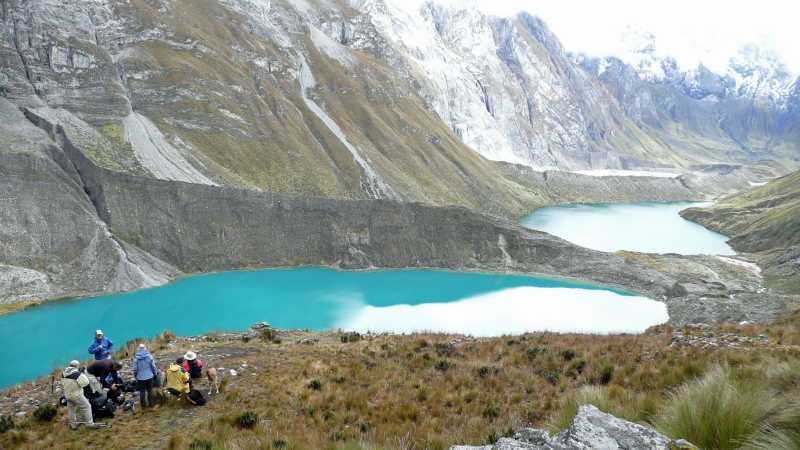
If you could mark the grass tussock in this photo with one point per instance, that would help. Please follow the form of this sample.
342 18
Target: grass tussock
773 439
717 411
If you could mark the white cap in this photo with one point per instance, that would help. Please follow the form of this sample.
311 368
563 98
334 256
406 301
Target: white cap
142 347
190 356
74 363
98 332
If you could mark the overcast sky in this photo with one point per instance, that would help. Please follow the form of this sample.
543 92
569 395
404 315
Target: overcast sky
710 31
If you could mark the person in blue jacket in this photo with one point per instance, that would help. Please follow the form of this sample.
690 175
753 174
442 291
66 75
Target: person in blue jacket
145 371
101 346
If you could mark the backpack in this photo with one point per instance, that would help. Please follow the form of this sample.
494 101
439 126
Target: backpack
94 389
196 397
129 386
102 408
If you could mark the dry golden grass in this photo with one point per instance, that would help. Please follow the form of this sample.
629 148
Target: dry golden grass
423 391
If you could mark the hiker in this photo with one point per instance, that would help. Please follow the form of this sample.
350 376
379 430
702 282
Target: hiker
101 346
99 398
145 371
107 371
177 379
73 382
193 365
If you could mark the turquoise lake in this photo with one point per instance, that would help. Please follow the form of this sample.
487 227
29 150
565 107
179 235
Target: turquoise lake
44 337
649 227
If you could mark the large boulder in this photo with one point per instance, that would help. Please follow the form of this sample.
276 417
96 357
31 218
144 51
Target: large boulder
591 429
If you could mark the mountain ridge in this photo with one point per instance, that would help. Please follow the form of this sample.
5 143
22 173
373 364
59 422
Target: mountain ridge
212 91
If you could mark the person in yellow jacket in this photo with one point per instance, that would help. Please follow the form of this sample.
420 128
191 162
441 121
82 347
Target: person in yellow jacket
177 382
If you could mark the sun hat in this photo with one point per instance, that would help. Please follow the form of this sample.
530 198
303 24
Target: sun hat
190 356
74 363
142 347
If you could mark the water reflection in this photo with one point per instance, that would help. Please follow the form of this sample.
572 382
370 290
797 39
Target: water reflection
516 311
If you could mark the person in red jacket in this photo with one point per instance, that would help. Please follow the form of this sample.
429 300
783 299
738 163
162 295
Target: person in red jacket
193 365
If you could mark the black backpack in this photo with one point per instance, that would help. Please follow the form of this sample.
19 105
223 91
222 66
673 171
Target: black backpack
196 397
102 407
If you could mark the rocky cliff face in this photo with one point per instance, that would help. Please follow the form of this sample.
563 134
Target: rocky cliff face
53 242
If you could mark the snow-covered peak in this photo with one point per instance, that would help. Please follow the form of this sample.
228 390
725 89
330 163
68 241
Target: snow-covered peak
760 74
640 51
756 73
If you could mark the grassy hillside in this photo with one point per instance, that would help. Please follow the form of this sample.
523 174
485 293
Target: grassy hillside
763 218
297 390
766 220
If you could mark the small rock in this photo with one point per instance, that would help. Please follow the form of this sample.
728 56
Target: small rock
21 414
260 326
683 444
233 373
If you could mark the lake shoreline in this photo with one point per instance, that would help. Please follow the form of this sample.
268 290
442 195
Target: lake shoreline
16 307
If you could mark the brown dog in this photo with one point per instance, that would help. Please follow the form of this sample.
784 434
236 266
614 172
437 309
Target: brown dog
213 380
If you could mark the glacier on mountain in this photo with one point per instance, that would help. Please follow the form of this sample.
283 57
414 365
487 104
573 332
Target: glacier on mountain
496 83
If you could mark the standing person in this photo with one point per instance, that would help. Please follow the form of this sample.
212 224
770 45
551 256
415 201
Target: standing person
144 370
101 346
79 410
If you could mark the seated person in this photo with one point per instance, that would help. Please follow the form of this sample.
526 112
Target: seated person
107 372
193 365
177 379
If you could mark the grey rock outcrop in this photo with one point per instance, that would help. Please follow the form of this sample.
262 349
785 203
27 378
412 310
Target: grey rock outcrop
591 429
53 242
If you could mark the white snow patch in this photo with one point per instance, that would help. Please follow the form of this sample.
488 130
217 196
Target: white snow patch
738 262
259 12
374 184
231 115
331 48
156 154
756 183
516 311
302 6
626 173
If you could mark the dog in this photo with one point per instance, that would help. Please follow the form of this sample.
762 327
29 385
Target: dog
213 380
